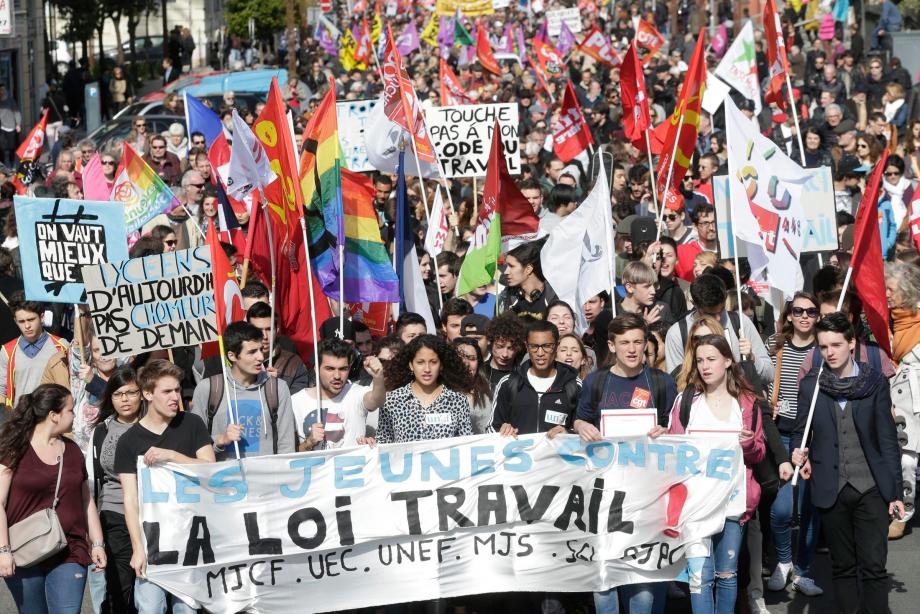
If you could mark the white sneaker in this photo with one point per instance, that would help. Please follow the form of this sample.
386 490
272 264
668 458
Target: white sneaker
758 606
780 577
806 586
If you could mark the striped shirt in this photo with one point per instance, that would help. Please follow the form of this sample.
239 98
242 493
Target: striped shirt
793 357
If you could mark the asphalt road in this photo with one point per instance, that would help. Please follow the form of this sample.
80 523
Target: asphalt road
903 566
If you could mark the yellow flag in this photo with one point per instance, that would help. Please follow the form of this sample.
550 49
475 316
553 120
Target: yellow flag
430 33
376 28
347 47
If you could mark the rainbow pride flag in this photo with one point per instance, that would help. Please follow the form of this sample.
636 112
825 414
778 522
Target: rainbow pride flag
142 191
369 274
321 186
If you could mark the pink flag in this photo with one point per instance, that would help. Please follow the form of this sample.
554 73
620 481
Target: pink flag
408 41
95 185
720 41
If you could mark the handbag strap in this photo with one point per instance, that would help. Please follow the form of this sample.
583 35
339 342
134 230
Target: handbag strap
57 486
776 378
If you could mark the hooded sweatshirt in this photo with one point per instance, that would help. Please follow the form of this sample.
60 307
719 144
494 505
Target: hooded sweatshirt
252 407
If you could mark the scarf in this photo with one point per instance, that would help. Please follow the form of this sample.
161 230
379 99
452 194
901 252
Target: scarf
850 388
906 332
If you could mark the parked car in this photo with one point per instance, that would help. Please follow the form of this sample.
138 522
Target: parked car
246 100
116 130
148 48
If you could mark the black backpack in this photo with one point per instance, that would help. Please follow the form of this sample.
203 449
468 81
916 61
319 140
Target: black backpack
216 395
659 392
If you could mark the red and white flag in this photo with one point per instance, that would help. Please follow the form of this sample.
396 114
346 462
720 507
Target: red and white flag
597 45
365 44
649 38
452 91
634 97
777 61
228 299
571 135
437 226
551 61
31 148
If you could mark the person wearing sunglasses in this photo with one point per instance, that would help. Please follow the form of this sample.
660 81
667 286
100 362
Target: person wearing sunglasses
163 163
109 164
675 226
898 187
137 137
791 345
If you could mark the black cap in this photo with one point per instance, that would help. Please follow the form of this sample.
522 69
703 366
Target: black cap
473 324
642 229
330 330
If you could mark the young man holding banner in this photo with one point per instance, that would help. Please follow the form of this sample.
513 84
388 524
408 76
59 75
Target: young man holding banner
263 421
163 435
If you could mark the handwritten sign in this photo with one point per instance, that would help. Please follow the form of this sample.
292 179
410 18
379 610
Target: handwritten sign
57 237
462 136
554 20
152 303
353 117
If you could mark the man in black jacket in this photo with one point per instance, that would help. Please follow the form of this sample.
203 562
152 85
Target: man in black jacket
539 396
855 462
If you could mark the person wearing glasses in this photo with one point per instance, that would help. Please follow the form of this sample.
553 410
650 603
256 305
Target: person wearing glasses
791 345
674 225
704 223
137 137
87 150
163 163
541 395
109 163
119 410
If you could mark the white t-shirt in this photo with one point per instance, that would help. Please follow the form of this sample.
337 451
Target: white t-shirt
702 418
540 384
345 417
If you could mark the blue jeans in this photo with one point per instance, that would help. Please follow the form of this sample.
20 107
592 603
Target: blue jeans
719 568
57 591
96 588
645 598
809 523
151 599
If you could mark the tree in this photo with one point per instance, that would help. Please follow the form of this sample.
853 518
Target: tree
269 16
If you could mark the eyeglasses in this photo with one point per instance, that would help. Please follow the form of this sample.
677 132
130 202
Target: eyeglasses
893 174
811 312
158 147
126 394
706 223
196 185
140 125
196 142
87 151
543 347
862 146
170 243
671 217
108 162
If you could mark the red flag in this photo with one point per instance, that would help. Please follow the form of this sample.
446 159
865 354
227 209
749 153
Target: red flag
650 38
452 91
868 269
31 148
285 201
689 104
228 300
541 78
551 61
365 44
636 117
597 45
484 52
777 61
519 222
401 104
571 135
375 315
359 7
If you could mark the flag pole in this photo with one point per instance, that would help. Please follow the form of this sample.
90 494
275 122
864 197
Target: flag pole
814 395
651 176
667 183
271 295
732 207
228 388
795 116
611 272
306 249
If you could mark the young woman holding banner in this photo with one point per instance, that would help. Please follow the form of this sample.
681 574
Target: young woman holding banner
719 401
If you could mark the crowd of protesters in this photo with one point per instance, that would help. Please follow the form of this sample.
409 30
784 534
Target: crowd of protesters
510 357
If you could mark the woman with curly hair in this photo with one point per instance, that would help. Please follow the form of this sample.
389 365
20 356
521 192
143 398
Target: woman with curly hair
480 395
427 384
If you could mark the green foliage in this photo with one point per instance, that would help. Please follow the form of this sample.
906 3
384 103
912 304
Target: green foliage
269 16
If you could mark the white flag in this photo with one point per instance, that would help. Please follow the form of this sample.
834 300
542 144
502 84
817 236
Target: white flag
437 226
249 168
765 192
585 236
382 145
738 67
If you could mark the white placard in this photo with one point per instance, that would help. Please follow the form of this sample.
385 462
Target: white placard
554 19
6 17
462 136
627 422
352 117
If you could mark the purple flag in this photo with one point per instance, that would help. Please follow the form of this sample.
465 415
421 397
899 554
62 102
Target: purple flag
719 42
325 40
521 46
408 41
445 36
506 42
566 39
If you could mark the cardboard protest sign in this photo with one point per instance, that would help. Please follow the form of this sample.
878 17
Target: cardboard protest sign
462 134
358 527
817 201
571 17
152 303
352 117
58 236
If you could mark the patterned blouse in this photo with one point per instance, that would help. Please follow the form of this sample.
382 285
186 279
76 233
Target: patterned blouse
402 417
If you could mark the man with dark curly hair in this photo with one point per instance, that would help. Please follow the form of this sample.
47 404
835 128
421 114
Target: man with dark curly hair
506 335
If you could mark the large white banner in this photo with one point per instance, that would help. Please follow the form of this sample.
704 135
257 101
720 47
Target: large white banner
353 119
462 136
360 527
